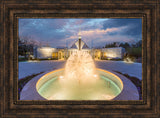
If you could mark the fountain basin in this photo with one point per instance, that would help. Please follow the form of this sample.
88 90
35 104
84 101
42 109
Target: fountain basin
40 87
107 87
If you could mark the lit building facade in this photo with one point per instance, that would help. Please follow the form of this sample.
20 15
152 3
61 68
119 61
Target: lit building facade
64 53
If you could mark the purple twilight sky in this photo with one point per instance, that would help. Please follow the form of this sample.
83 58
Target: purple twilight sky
95 32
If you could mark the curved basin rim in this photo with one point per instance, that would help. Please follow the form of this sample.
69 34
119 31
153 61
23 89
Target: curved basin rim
96 69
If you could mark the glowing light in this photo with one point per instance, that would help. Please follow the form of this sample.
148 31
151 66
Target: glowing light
95 75
45 52
109 58
61 77
128 60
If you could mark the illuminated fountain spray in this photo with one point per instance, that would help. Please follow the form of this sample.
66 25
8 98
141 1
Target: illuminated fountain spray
80 67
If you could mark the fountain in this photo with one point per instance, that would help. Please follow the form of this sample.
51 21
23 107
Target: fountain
80 68
80 80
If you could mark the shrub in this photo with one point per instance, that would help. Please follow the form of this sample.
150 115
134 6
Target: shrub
134 52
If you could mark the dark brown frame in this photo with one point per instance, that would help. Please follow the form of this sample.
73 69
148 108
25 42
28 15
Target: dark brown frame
11 10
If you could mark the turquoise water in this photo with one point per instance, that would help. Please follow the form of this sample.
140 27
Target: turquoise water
104 89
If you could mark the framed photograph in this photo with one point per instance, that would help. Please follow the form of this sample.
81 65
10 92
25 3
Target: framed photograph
79 59
78 56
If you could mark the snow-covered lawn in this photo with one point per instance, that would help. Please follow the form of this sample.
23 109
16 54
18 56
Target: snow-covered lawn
132 69
34 67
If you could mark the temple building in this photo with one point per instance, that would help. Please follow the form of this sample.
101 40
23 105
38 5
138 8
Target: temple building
64 53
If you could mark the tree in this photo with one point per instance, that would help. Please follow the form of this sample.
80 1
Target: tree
139 43
124 45
26 46
111 45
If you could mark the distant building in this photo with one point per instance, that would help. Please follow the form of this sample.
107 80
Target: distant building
45 53
64 53
113 53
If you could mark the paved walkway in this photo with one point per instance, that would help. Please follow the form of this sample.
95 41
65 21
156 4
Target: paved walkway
33 67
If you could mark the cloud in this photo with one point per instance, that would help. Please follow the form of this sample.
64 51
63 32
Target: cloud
134 25
61 31
99 32
95 34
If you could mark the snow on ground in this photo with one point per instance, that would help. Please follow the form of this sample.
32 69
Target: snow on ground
34 67
132 69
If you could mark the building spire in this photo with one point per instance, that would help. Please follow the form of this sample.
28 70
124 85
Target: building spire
79 34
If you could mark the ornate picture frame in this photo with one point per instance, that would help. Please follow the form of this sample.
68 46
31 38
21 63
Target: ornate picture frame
11 10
